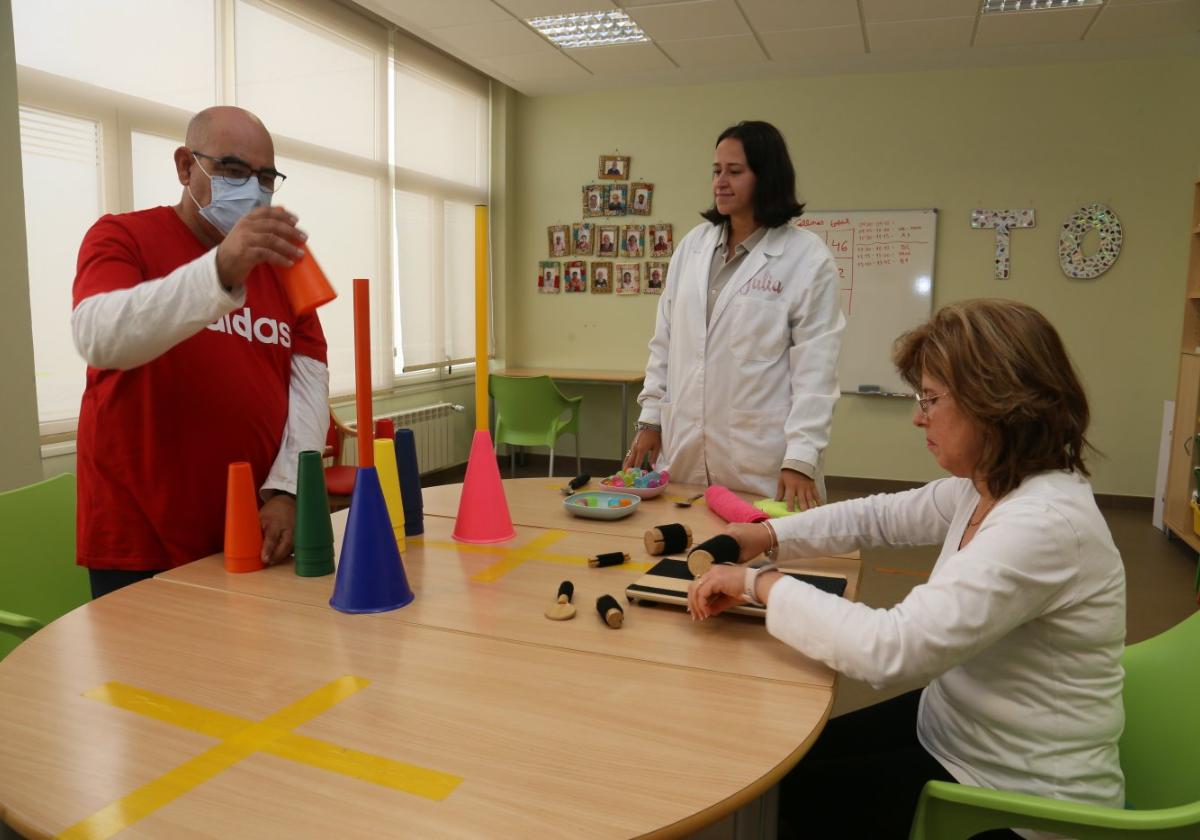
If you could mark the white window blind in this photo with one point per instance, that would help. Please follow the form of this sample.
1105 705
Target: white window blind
442 147
60 162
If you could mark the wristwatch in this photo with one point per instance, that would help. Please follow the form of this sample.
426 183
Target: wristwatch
752 573
647 427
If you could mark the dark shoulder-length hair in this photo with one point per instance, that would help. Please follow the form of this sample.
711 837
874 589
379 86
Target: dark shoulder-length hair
1008 371
775 178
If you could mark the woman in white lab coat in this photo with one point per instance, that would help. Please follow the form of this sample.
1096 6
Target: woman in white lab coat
741 381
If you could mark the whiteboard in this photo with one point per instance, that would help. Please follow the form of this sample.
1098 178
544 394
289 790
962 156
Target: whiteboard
885 264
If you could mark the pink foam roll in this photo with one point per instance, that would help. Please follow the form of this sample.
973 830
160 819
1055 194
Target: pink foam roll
723 502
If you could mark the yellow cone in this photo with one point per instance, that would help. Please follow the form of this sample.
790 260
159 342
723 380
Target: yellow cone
385 464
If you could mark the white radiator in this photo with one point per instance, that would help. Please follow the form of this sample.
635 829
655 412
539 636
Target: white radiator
433 431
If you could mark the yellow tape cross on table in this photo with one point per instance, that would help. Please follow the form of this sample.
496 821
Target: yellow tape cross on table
512 558
241 738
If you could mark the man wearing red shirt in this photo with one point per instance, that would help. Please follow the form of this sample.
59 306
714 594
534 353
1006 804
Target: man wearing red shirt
195 359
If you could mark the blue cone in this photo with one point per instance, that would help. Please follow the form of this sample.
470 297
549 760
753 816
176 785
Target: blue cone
410 483
370 573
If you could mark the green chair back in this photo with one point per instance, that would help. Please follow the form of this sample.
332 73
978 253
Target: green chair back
1160 748
39 580
530 409
1160 755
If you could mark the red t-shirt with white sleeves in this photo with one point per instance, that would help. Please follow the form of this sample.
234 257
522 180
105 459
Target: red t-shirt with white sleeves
155 442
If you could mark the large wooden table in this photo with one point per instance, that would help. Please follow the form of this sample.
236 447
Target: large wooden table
207 704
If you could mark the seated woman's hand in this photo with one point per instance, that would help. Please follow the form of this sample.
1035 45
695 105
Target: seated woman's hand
716 590
752 538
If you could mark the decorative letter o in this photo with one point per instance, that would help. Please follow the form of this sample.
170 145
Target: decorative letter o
1070 242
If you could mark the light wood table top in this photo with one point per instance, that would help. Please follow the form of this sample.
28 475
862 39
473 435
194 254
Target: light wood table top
502 590
577 374
202 703
538 502
191 697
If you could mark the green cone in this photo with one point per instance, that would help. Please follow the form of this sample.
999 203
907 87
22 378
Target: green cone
314 530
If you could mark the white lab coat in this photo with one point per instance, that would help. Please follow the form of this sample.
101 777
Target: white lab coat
758 385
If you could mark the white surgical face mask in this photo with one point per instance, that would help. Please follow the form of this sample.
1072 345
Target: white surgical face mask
230 202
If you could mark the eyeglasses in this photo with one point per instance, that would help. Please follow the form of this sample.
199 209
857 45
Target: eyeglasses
237 172
927 401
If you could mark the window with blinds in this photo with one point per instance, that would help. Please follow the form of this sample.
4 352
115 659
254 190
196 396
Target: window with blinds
385 143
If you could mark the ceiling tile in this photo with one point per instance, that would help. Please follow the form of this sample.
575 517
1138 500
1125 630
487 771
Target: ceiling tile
1003 28
771 15
620 59
884 10
728 50
489 40
799 44
526 9
945 33
432 13
1141 20
682 21
549 65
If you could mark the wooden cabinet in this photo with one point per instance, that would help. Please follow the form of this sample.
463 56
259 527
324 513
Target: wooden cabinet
1177 511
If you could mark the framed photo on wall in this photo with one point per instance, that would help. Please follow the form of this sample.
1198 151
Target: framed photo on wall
559 239
549 277
633 240
594 200
629 278
602 273
607 242
642 198
613 167
616 200
656 277
576 276
582 243
662 240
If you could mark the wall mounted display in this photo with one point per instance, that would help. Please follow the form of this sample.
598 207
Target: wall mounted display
1104 221
656 277
602 273
642 198
616 199
549 277
633 240
613 167
629 278
582 243
558 238
576 276
607 243
594 200
662 240
1003 221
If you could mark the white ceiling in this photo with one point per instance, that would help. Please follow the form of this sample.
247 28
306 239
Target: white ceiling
699 41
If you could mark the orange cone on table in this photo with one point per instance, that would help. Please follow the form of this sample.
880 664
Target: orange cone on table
389 479
243 533
483 515
306 285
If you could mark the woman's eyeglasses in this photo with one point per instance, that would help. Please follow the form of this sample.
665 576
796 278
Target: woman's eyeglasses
927 401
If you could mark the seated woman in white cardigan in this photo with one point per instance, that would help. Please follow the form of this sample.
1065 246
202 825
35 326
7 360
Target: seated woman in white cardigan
1018 633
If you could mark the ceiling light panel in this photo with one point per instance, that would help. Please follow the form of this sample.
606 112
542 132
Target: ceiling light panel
589 29
1035 5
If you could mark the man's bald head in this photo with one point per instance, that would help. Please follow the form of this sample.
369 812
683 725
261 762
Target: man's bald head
225 130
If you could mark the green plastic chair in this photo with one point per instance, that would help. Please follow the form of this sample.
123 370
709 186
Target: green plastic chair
1160 755
529 412
39 580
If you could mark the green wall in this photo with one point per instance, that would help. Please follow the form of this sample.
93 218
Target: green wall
19 451
1048 137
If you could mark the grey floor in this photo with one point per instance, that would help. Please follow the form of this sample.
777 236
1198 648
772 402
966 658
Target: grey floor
1159 572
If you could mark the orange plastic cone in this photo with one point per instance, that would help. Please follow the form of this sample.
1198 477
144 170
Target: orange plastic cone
306 285
243 534
482 508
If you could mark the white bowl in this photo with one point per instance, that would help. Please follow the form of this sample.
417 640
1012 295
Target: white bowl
574 505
